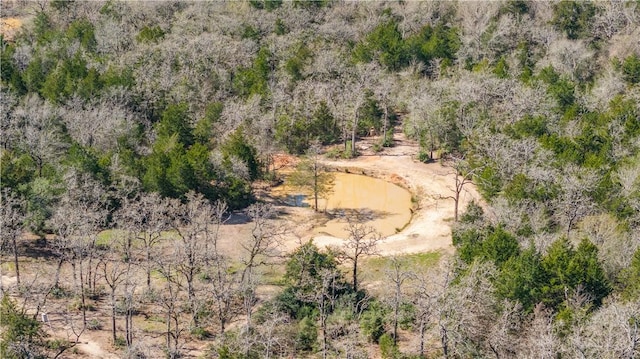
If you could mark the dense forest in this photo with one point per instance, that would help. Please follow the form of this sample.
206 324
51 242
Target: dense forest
130 131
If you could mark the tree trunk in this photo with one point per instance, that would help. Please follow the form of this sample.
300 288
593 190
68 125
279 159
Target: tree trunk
148 249
89 271
444 339
315 186
395 323
169 329
176 337
82 299
74 270
495 352
385 125
15 259
455 206
323 324
58 269
355 274
128 327
113 315
353 134
422 329
431 145
353 140
221 319
192 300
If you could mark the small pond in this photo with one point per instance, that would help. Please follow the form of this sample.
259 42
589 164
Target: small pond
385 205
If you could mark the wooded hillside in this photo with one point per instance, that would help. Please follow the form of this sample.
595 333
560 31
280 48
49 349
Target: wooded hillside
154 119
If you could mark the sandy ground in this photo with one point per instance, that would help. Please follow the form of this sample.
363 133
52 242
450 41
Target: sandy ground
94 350
430 226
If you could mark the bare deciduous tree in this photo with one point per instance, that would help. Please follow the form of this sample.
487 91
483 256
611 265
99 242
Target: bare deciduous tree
574 203
506 331
398 275
426 290
259 249
362 240
145 218
312 176
273 337
115 272
80 215
613 331
466 310
170 298
463 175
265 238
40 131
540 339
97 124
12 216
615 245
191 250
224 282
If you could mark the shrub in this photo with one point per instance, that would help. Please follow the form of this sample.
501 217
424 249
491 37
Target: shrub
423 156
372 323
387 349
94 324
307 335
333 153
631 69
59 292
150 34
200 333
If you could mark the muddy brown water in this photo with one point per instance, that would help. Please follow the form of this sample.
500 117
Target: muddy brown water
380 204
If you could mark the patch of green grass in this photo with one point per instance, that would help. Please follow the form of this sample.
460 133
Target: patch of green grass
373 269
156 318
157 275
7 267
105 237
272 275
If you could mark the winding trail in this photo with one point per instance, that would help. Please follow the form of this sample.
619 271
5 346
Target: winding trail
94 350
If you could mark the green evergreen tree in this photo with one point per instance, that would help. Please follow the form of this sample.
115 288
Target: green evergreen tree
521 279
175 121
324 126
83 31
567 270
385 44
573 17
305 265
631 69
237 145
203 131
499 246
21 335
630 279
370 115
307 335
254 80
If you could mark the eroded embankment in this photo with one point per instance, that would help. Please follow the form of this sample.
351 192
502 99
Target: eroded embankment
430 185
